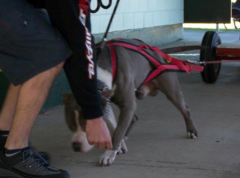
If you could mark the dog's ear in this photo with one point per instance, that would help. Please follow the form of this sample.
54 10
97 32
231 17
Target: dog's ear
66 97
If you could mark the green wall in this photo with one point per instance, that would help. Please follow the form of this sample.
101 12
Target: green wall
55 96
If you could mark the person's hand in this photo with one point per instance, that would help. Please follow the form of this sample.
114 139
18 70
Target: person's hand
98 134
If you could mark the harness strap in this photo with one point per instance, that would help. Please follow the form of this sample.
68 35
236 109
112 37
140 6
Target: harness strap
114 61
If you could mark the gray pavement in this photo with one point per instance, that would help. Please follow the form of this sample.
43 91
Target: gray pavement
158 146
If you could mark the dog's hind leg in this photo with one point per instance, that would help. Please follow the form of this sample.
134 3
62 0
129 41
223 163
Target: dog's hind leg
168 83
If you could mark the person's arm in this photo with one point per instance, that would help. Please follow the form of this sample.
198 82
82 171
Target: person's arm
81 67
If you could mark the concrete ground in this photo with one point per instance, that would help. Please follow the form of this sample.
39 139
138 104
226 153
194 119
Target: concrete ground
158 146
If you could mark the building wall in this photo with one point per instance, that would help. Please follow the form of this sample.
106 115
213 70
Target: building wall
138 14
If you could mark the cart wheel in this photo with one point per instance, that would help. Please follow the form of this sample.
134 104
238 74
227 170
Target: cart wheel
236 23
211 71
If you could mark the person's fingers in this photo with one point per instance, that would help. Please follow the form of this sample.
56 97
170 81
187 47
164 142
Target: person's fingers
90 141
108 145
102 146
97 145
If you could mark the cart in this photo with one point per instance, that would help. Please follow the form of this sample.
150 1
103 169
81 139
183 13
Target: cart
212 54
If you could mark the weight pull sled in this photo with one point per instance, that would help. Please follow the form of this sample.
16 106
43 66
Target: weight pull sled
212 54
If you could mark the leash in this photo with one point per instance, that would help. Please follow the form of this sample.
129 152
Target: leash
104 39
210 62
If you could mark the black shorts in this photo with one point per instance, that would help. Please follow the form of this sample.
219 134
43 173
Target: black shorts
29 45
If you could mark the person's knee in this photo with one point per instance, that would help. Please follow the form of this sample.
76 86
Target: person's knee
57 69
49 75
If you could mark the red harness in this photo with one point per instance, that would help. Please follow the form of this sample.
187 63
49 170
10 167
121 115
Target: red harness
171 64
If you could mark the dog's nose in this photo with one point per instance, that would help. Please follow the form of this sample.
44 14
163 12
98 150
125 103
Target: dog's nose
76 146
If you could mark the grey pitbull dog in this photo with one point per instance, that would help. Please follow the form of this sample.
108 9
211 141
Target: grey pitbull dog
132 69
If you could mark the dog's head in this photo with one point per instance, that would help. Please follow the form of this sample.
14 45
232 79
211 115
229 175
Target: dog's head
76 122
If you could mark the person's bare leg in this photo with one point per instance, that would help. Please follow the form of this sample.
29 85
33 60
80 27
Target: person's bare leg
8 109
32 96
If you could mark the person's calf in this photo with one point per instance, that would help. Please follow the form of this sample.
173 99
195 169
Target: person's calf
57 69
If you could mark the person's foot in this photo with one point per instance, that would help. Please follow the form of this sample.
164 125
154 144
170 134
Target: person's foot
29 164
3 140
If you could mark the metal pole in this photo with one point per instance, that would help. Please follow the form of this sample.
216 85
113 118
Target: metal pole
217 27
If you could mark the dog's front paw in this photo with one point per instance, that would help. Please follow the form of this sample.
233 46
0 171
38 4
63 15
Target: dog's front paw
108 158
123 148
192 133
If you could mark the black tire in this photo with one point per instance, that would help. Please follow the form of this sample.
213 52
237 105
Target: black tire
236 23
211 71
